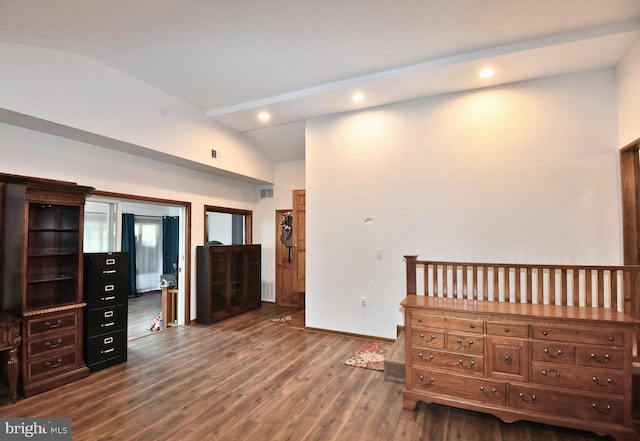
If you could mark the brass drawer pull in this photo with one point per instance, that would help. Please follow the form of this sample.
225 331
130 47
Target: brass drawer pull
546 371
431 380
559 353
489 394
469 366
421 355
506 329
508 360
57 325
55 345
601 360
49 365
606 411
467 346
609 382
432 338
532 400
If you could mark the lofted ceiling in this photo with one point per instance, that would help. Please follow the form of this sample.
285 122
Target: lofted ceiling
298 59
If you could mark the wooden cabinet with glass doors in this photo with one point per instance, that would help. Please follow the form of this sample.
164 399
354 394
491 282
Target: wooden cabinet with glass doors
228 281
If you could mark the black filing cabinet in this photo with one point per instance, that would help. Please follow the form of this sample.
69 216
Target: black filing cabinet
106 285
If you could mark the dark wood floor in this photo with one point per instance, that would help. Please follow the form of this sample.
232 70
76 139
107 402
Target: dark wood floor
250 378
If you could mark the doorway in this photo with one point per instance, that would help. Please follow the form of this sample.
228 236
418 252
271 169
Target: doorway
144 309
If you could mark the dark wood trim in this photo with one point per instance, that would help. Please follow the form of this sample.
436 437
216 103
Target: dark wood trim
630 194
349 334
187 238
630 190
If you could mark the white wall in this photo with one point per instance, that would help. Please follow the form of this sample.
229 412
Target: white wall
520 173
289 176
75 91
628 95
31 153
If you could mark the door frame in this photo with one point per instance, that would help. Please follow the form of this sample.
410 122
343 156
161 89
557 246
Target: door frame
184 295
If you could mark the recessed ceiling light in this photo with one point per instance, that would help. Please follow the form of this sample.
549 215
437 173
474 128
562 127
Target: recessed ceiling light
357 97
264 116
486 73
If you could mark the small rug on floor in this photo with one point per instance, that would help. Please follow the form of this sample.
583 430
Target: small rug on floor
369 355
283 319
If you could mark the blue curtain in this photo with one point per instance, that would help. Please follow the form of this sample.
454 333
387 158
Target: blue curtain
129 245
170 243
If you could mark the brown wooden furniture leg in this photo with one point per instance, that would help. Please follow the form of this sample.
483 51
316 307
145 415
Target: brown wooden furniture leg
409 404
12 369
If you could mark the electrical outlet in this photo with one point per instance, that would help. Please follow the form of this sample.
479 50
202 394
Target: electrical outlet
363 301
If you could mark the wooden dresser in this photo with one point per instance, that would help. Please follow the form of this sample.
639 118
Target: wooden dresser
558 365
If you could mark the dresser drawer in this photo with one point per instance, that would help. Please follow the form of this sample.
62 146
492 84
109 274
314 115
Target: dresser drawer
52 343
609 408
506 329
56 321
448 323
55 363
459 386
464 364
104 320
553 352
595 335
106 346
600 356
465 344
508 358
581 378
427 338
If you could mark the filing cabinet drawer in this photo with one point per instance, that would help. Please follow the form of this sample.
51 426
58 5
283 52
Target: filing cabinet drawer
106 346
105 320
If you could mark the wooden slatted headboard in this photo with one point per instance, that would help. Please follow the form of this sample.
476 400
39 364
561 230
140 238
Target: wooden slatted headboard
584 286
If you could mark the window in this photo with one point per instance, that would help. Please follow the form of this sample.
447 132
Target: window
100 227
148 252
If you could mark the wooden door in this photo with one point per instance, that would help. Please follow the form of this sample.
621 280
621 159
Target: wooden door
299 242
285 296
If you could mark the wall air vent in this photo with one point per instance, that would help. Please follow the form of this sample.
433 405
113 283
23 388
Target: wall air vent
214 154
266 193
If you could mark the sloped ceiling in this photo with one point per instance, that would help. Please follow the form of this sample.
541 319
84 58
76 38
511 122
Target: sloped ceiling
298 59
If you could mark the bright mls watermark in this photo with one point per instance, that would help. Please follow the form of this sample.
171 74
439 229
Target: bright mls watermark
58 429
